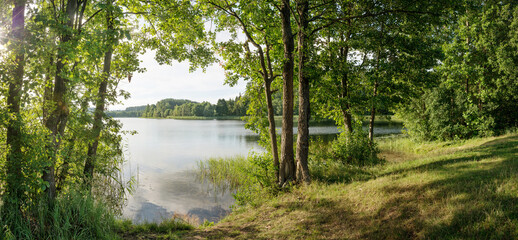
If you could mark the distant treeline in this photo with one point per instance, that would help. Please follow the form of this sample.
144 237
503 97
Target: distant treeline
183 107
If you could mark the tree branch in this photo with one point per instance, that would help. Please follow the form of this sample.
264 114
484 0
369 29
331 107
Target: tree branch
93 15
368 14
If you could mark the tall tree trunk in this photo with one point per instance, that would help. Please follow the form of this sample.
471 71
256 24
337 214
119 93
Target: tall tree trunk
345 108
373 112
268 77
14 162
100 103
304 109
47 92
374 95
287 167
58 117
271 122
63 171
467 47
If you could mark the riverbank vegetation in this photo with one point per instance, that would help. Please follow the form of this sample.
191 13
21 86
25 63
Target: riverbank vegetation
442 190
446 68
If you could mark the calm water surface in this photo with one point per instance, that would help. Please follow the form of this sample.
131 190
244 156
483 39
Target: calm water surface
163 157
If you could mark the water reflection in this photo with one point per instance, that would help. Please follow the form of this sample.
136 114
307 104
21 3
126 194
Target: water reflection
213 214
165 152
161 195
163 155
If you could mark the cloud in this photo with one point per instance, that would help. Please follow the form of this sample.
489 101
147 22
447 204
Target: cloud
175 81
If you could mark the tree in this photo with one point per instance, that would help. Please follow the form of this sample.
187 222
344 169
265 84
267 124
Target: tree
287 164
222 108
403 49
72 14
101 98
15 182
256 64
475 72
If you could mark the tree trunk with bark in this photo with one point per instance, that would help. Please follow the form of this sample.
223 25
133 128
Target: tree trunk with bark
345 108
100 103
58 115
374 95
373 112
304 109
268 77
271 123
287 166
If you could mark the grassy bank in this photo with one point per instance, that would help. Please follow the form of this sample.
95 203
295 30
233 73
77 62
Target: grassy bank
442 190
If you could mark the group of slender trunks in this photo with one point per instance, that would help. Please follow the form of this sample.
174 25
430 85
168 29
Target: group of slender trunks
55 107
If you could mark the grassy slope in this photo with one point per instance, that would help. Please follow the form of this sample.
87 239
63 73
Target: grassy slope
466 190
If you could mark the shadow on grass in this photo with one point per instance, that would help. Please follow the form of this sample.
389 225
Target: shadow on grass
503 146
249 231
462 198
472 196
470 200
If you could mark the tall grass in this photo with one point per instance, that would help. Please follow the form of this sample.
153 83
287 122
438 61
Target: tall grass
75 215
250 178
226 174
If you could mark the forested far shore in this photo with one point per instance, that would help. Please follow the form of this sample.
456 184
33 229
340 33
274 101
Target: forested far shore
170 107
186 108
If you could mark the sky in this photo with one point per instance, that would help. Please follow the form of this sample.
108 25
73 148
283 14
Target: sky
175 81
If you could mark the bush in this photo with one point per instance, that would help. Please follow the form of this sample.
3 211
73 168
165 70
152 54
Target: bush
355 148
445 113
333 162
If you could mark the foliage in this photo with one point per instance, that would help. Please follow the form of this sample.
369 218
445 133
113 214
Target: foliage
65 67
325 168
477 90
445 114
361 56
355 148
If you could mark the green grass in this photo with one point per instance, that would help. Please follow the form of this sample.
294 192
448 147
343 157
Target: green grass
439 190
172 228
226 174
75 215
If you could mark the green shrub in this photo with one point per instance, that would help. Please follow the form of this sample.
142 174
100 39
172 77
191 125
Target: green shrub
355 148
444 113
325 166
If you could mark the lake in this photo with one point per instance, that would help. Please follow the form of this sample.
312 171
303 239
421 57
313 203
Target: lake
163 157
